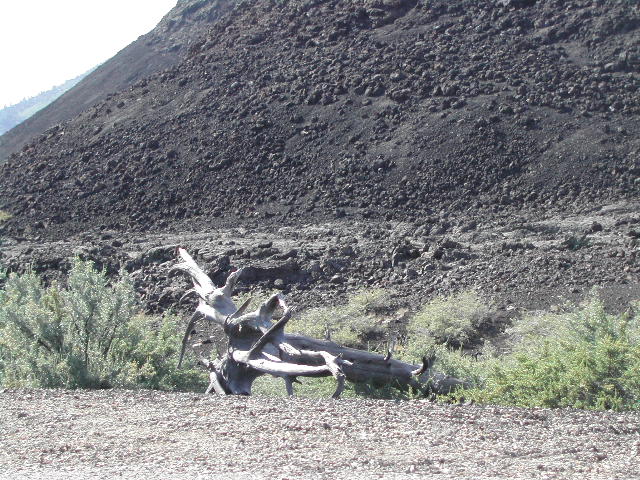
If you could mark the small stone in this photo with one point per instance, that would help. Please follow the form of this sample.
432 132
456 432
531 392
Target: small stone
411 274
400 95
347 251
595 227
481 123
374 91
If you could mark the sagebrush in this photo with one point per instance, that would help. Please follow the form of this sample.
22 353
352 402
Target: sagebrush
584 358
86 335
89 334
352 324
580 357
453 321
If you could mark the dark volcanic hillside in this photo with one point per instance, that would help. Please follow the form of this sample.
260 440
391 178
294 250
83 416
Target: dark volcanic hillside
159 49
391 109
488 145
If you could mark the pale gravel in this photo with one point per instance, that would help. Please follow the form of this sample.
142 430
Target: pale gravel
53 434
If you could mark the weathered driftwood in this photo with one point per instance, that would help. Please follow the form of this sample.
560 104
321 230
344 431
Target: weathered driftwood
258 346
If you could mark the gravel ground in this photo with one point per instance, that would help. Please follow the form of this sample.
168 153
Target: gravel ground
56 434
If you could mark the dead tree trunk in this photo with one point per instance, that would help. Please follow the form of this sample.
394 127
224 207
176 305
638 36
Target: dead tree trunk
258 346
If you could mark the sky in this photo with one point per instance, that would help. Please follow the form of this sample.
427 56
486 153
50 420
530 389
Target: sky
44 43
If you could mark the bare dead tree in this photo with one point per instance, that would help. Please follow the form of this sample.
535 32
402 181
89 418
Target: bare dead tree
256 345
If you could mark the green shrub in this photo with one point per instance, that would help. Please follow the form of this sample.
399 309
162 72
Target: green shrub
147 357
452 321
4 216
352 325
83 336
585 358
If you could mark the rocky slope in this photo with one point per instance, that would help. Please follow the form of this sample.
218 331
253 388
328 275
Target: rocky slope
385 110
468 144
516 264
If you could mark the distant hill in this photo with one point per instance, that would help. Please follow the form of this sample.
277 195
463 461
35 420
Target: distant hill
18 113
161 48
